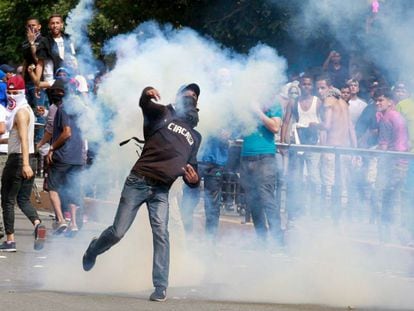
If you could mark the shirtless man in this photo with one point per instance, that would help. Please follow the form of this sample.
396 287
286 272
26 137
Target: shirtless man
339 133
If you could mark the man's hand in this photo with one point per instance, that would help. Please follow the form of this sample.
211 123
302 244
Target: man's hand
27 172
37 92
40 110
31 35
49 157
190 174
31 68
153 93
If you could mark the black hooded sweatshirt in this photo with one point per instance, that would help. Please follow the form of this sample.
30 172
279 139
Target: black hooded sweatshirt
170 143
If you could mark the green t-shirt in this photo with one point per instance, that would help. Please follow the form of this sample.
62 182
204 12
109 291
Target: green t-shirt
406 108
262 141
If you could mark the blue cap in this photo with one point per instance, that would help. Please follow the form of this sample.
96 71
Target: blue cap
7 68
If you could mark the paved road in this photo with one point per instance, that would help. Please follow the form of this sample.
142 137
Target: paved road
221 277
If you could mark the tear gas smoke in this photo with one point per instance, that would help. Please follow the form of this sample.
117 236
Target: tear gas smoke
324 265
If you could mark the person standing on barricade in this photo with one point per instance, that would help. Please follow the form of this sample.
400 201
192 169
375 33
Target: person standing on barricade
337 71
51 53
258 174
35 96
18 177
170 151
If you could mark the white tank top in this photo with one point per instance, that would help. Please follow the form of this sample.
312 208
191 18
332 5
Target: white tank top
310 115
15 145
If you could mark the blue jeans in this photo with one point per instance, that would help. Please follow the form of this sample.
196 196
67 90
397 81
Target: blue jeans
35 102
138 190
258 179
213 180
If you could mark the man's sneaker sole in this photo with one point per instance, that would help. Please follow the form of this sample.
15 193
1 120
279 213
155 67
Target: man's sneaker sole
40 237
159 297
8 250
60 229
88 261
8 247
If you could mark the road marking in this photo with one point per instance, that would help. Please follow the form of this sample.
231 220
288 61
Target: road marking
2 257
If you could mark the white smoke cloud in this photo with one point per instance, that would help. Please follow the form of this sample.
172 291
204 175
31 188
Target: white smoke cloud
322 265
166 59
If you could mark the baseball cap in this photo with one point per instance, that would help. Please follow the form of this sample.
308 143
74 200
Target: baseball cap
7 68
59 84
192 87
62 69
15 83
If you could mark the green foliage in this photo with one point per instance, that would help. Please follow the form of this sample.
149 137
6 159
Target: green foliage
238 24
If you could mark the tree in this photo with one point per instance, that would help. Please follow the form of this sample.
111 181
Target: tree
236 24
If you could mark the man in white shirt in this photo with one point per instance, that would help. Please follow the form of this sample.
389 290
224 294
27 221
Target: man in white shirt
356 104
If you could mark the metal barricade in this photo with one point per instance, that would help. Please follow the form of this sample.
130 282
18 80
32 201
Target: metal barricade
232 193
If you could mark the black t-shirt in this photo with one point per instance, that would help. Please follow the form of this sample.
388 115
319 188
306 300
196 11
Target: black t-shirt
338 77
170 143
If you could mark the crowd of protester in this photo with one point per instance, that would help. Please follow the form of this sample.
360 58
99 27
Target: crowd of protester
347 107
337 105
355 126
346 116
40 132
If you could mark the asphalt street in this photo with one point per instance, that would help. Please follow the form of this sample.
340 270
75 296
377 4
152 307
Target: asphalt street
52 279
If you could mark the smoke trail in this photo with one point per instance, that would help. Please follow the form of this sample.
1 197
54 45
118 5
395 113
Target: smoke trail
77 27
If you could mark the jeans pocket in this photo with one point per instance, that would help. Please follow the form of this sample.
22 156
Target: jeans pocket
133 179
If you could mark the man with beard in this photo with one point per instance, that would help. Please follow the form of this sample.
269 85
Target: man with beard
170 151
51 53
17 179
